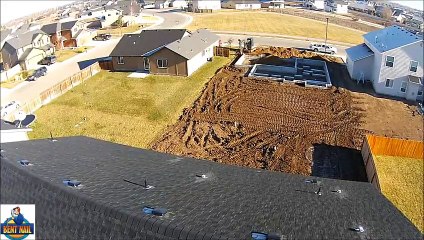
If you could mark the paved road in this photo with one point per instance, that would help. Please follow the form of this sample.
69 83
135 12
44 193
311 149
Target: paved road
278 42
171 19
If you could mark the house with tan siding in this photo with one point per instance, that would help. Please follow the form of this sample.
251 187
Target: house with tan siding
392 59
26 49
169 51
65 34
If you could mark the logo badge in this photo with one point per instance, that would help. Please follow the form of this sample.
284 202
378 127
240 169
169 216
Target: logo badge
17 221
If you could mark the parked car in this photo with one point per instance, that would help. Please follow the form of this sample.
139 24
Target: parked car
48 60
102 37
42 71
10 107
320 47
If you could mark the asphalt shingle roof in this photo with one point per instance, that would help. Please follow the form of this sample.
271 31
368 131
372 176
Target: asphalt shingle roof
4 34
359 52
390 38
193 44
24 39
230 203
51 28
68 25
146 41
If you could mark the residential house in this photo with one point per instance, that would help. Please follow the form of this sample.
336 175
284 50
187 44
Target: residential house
65 34
26 49
179 3
392 59
336 6
161 4
315 4
168 51
241 4
202 5
5 35
107 16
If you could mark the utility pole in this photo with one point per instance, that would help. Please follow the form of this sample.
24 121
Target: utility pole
326 34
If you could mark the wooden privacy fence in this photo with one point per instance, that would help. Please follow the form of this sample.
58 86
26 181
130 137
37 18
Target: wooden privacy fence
395 147
376 145
57 90
221 51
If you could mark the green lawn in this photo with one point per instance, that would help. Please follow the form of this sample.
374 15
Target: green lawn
65 54
116 108
262 22
401 181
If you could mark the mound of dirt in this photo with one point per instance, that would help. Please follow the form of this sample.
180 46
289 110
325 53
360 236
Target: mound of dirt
293 52
263 124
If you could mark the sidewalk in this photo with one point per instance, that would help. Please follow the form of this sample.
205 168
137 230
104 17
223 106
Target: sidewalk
253 34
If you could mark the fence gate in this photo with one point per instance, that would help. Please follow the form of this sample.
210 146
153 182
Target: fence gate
222 51
106 65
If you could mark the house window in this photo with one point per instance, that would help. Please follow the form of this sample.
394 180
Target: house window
120 60
162 63
419 93
414 66
403 87
203 53
389 83
390 61
146 63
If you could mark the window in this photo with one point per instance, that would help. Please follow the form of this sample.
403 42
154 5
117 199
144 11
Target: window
403 87
120 60
203 53
420 92
389 83
146 64
413 66
162 63
390 61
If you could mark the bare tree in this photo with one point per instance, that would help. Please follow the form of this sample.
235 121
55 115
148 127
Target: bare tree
386 13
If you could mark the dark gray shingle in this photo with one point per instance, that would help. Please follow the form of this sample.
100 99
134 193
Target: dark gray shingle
230 203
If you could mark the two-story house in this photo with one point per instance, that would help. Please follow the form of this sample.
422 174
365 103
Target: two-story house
392 59
26 49
64 34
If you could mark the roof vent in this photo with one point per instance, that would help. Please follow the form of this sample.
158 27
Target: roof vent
134 42
201 176
25 163
264 236
154 211
71 183
337 191
129 36
145 185
312 181
358 229
318 192
51 138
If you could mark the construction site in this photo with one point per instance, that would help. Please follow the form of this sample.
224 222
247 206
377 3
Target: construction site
261 123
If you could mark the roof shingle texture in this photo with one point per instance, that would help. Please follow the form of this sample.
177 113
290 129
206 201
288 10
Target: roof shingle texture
194 43
230 203
390 38
148 40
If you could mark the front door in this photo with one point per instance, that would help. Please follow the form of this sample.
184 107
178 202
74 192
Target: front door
146 64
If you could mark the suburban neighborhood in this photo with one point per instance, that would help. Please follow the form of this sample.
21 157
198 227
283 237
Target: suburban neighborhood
210 119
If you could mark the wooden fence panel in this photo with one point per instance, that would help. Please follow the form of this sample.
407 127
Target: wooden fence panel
395 147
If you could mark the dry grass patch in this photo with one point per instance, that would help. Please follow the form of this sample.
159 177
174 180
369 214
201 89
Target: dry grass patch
262 22
401 181
65 54
116 108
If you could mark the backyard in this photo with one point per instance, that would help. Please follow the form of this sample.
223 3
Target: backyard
65 54
114 107
274 23
401 181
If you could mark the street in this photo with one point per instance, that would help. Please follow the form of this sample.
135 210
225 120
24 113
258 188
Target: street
172 18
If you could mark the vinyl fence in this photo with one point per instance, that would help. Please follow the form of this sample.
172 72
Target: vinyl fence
377 145
57 90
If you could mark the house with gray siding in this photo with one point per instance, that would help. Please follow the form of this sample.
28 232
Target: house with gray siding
392 59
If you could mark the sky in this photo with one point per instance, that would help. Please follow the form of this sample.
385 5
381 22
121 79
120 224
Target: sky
417 4
12 9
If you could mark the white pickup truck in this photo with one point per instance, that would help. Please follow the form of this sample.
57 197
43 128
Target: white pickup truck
321 47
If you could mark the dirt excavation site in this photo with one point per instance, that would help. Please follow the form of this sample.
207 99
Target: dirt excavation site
267 124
